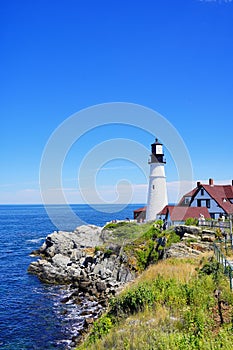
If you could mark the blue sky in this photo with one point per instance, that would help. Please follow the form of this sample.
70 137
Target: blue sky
58 57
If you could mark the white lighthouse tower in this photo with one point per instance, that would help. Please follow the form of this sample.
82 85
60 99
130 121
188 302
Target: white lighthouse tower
157 190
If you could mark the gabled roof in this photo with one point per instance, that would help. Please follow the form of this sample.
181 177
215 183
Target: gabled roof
221 194
139 210
181 213
189 194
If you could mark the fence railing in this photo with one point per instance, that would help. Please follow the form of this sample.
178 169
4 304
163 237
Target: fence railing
221 258
214 223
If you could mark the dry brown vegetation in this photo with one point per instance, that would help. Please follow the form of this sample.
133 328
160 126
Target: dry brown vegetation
178 310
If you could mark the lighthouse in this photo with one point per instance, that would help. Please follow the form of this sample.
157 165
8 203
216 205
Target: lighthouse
157 190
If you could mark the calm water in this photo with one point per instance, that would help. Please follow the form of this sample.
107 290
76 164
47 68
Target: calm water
31 315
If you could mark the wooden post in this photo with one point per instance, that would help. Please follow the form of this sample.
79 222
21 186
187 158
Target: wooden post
225 239
230 275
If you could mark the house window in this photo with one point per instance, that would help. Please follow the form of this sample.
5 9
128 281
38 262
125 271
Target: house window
202 192
199 202
208 203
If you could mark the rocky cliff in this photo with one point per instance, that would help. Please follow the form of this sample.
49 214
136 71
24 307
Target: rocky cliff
82 258
96 267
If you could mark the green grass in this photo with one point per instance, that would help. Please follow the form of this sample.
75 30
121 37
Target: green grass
142 244
124 231
171 306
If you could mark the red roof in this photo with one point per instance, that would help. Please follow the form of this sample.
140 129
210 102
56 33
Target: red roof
221 194
165 209
178 213
189 194
139 210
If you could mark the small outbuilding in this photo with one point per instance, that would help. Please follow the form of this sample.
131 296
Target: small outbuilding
176 215
140 214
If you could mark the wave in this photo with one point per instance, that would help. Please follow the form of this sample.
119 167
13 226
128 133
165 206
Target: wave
35 240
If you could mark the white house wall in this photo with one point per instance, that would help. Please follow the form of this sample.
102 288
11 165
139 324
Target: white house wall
213 209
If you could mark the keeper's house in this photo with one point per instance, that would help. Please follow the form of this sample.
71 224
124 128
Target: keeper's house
218 199
211 201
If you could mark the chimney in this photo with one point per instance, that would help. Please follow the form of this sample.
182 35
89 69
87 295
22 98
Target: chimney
211 182
198 183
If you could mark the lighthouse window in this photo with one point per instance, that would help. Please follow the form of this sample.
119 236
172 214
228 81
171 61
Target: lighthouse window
153 187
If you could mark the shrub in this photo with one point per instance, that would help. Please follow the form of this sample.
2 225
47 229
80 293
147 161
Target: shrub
214 268
218 233
133 300
101 327
98 248
167 313
113 225
191 222
172 237
159 224
108 252
152 233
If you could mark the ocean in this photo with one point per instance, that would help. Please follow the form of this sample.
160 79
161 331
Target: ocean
31 313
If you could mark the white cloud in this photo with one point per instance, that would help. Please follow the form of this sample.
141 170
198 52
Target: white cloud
129 193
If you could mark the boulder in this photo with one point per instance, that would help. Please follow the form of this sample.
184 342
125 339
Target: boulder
208 236
189 237
180 250
182 229
100 286
89 235
70 258
68 243
61 261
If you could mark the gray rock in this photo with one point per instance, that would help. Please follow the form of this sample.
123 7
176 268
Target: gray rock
188 236
182 229
89 235
67 258
208 236
100 286
60 261
181 250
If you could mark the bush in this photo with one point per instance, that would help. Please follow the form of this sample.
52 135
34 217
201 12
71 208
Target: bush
159 223
113 225
98 248
168 314
191 222
146 254
172 237
101 327
134 300
213 268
